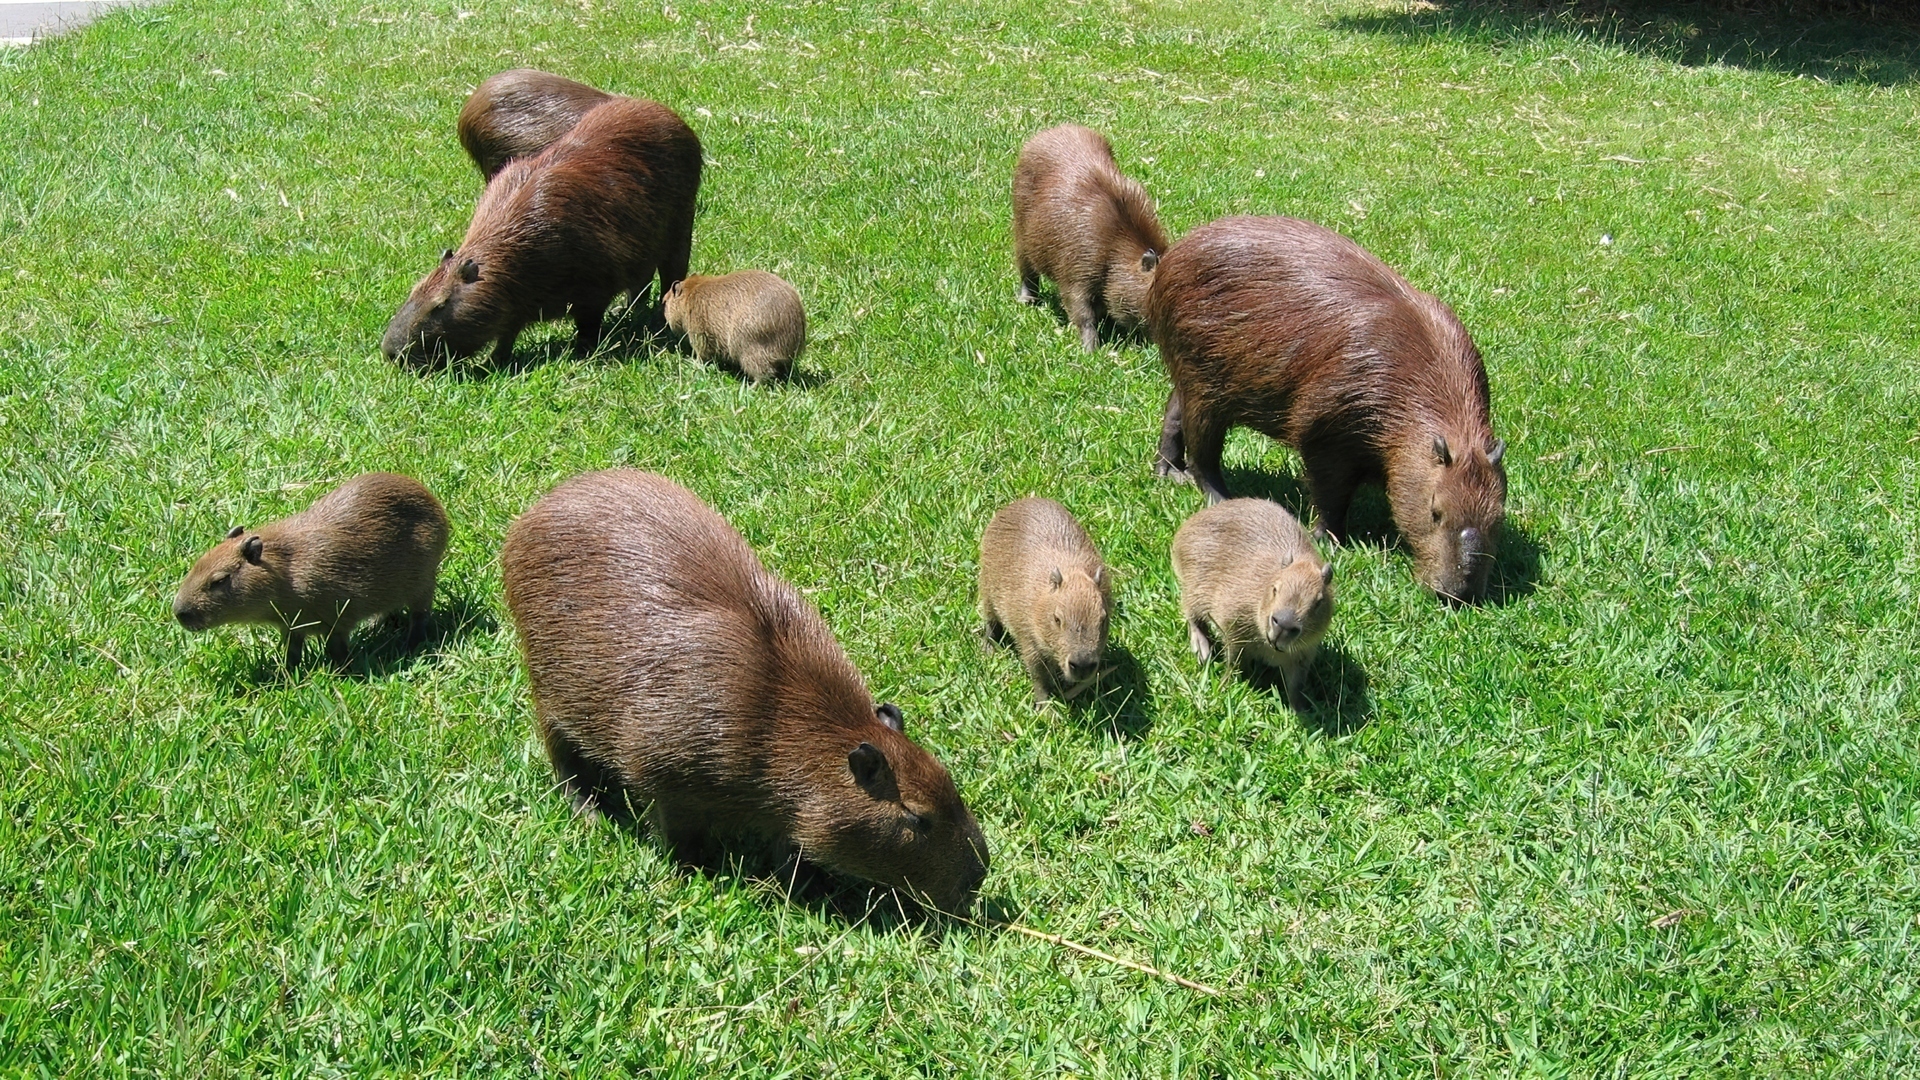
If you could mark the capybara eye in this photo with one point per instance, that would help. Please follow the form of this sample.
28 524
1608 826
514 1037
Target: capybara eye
1436 512
220 578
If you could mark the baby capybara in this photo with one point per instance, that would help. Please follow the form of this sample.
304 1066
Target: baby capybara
519 113
1249 569
1293 330
367 548
674 676
592 216
1043 582
749 319
1082 222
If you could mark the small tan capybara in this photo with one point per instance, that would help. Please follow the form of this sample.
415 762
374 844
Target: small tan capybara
519 113
1249 569
750 320
1082 222
1043 582
1293 330
674 675
564 232
367 548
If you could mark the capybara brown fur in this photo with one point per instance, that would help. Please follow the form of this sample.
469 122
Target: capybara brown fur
1082 222
596 214
1249 570
750 320
1293 330
367 548
674 676
1043 583
519 113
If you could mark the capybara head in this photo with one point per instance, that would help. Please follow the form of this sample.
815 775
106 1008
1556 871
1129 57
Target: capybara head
450 314
1455 539
674 305
1299 603
230 584
1129 276
1073 624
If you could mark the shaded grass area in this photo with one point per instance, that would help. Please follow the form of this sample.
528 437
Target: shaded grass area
1653 813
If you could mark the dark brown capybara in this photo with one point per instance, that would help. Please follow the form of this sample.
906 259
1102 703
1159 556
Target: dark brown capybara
1249 569
674 675
1293 330
750 319
1082 222
367 548
1043 583
519 113
595 214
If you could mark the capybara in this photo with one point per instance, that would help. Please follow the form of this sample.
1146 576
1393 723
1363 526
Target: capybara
1293 330
1082 222
1043 582
749 319
367 548
519 113
592 216
674 676
1248 568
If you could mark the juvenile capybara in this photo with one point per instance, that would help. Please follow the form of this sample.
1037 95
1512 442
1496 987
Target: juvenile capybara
1249 569
519 113
594 215
1082 222
1043 582
749 319
674 676
367 548
1293 330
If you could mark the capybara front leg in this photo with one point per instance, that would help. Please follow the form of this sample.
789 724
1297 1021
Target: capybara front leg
1332 482
296 645
1171 461
503 348
1206 441
1080 313
1029 292
337 647
1197 638
588 317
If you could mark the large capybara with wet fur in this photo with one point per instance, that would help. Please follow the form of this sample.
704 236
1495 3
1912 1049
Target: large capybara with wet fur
1247 568
595 214
1293 330
750 320
1082 222
1043 583
519 113
674 675
367 548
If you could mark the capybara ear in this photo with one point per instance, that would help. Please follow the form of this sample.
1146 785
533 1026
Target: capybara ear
872 773
250 549
1440 452
1326 574
889 714
469 271
236 531
1496 451
1054 578
1148 260
676 287
447 254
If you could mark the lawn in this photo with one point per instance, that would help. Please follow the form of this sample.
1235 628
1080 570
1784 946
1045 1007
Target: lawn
1653 810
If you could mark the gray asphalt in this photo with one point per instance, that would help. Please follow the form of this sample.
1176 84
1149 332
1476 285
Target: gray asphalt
25 22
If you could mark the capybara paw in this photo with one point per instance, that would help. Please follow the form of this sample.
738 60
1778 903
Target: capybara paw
1202 647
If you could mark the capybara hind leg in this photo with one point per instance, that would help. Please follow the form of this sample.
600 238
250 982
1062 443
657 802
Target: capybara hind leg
1205 443
1333 484
296 645
677 256
417 616
1080 313
337 647
1171 462
1029 292
580 779
588 317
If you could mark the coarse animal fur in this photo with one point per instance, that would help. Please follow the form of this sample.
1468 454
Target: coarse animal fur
595 214
1043 582
1082 222
1293 330
1249 569
750 320
367 548
519 113
674 675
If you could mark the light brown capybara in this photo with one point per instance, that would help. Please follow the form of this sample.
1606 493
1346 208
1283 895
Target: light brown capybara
750 320
519 113
1082 222
1043 583
367 548
1293 330
674 676
1249 570
596 214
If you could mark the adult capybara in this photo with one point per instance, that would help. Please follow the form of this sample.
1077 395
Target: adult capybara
1082 222
1249 569
674 675
1042 582
367 548
749 319
592 216
1293 330
519 113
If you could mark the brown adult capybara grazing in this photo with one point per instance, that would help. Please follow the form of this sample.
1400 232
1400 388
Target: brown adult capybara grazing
1249 569
1082 222
1042 582
592 216
1293 330
749 319
674 675
519 113
367 548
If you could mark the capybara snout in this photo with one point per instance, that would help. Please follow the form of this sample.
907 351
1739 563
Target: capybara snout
1455 542
436 323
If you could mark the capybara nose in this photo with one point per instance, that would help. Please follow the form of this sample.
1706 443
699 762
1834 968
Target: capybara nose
186 616
1470 541
1285 626
1082 669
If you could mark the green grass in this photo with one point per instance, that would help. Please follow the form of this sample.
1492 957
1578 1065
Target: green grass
1657 813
